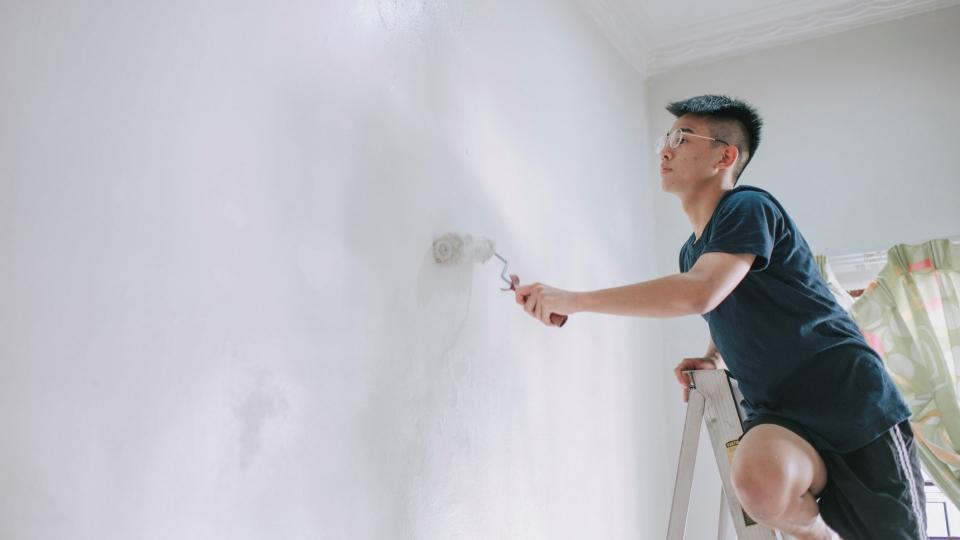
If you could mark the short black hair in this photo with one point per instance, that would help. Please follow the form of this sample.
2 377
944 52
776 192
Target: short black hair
733 120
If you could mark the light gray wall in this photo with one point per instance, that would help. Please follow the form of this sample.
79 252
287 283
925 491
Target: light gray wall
859 145
220 318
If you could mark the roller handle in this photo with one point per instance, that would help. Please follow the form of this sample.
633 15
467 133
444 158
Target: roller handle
555 318
558 319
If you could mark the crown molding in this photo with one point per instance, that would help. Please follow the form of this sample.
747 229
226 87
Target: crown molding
765 28
624 26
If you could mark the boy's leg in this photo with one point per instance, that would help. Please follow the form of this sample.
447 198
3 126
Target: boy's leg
877 491
776 474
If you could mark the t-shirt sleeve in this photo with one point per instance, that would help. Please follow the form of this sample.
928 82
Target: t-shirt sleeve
746 222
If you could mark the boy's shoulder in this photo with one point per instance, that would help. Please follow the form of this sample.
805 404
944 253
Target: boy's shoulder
749 197
742 193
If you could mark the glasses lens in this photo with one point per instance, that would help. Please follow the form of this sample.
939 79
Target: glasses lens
675 137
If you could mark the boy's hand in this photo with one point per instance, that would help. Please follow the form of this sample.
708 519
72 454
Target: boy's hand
541 300
690 364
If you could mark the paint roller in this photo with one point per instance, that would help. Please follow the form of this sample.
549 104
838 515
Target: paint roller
452 249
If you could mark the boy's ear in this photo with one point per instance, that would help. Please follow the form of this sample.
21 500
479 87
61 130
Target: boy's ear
729 157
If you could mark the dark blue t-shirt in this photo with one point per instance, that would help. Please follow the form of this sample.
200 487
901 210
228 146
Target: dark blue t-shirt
795 352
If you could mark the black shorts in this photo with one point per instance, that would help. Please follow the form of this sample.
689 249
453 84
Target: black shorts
874 492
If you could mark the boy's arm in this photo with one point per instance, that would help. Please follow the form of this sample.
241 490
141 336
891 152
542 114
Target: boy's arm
710 360
709 282
713 354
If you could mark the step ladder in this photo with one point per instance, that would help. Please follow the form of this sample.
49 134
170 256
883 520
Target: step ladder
714 398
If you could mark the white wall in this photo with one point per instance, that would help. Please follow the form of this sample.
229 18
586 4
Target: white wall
220 318
859 145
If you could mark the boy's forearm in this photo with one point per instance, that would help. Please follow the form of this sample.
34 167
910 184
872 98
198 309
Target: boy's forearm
670 296
714 354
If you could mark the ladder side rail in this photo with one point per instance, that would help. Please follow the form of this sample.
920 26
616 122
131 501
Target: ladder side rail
685 466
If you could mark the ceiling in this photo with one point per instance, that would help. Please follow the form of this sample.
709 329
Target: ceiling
656 36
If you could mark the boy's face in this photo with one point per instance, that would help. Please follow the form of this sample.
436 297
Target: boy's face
693 164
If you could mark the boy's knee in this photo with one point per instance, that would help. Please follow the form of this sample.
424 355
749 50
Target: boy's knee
763 488
772 469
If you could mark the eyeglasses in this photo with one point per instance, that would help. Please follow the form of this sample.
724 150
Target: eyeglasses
675 137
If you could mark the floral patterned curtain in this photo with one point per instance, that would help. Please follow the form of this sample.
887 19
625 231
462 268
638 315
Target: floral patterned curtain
910 315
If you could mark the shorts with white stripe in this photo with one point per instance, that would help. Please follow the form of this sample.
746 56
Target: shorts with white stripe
876 492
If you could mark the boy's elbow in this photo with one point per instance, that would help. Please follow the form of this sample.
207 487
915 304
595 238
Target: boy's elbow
705 307
696 304
702 307
707 300
704 293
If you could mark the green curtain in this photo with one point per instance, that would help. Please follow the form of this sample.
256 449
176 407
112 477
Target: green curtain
910 314
843 297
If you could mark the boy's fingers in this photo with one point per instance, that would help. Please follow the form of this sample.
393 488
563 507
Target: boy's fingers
682 377
529 305
522 294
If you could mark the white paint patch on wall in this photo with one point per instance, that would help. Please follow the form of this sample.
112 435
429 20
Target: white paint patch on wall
220 317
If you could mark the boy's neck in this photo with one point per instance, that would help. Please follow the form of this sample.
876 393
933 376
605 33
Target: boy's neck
699 206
